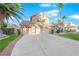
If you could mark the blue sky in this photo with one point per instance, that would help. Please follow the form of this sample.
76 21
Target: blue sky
71 10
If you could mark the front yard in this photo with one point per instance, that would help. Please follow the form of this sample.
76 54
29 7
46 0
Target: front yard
4 42
71 36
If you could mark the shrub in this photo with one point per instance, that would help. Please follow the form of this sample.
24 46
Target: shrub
18 31
58 31
72 30
8 31
52 31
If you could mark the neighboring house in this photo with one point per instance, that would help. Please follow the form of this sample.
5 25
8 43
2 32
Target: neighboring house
31 28
13 26
68 26
71 26
78 27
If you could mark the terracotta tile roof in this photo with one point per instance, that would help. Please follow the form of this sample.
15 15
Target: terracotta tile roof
38 15
28 24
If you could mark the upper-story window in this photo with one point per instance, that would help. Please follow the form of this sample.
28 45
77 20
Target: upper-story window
41 20
38 20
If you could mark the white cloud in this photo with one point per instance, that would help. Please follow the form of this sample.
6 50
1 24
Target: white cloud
45 5
55 18
74 16
53 13
54 5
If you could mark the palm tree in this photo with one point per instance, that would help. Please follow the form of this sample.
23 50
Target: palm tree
63 19
10 10
60 19
61 5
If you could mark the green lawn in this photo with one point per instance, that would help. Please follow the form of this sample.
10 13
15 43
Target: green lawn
71 36
4 43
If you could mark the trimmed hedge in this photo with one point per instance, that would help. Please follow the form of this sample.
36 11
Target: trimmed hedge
8 31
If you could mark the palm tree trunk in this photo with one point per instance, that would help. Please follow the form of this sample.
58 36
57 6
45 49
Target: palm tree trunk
2 16
0 29
1 21
60 14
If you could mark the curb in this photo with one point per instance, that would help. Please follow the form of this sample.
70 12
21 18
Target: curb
8 50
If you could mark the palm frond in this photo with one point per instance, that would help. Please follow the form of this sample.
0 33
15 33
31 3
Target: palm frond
11 10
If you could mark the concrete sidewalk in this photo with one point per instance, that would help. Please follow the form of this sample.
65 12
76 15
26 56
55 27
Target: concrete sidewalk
45 45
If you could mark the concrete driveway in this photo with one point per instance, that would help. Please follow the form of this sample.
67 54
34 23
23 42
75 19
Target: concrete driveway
45 44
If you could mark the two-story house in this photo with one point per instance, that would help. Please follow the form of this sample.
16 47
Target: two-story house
40 18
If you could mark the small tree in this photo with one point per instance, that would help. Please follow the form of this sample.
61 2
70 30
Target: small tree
3 25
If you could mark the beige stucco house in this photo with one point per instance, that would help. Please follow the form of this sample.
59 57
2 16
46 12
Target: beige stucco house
13 26
40 18
68 26
31 28
36 23
71 26
34 29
